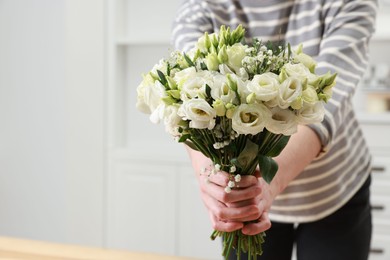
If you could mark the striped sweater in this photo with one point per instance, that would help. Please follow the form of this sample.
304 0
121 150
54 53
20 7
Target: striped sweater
336 33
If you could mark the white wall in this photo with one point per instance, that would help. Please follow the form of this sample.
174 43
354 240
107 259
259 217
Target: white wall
32 191
52 120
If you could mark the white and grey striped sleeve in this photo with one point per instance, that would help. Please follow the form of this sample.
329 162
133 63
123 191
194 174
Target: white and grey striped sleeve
191 22
349 26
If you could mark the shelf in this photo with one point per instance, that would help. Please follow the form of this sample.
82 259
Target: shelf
374 118
135 42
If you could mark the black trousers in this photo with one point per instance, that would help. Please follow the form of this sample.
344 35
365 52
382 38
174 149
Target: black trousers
344 235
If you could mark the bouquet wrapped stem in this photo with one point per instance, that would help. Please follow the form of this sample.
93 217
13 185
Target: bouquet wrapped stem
238 105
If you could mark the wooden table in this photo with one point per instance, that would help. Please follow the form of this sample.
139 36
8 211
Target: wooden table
23 249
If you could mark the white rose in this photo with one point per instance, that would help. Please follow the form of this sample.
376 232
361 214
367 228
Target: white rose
157 114
196 86
236 54
149 96
265 86
250 118
141 105
182 76
220 90
199 112
295 70
172 120
311 113
290 90
283 121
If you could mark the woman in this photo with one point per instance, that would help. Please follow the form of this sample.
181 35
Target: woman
319 198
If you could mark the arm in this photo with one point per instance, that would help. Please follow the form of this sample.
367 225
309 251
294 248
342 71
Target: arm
348 27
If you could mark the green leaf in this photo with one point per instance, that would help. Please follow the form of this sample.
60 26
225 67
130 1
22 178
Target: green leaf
188 60
184 137
208 91
278 146
191 145
268 167
168 69
163 80
203 66
247 155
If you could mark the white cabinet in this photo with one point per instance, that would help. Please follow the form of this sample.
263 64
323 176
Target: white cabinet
156 207
194 224
142 210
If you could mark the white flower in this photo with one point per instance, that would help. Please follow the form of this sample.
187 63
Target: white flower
149 95
232 169
221 91
228 189
172 120
265 86
236 54
141 105
290 90
182 76
157 114
295 70
283 121
311 113
195 86
218 167
199 112
250 118
237 178
306 60
231 184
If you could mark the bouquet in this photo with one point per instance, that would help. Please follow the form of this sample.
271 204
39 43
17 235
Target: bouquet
236 103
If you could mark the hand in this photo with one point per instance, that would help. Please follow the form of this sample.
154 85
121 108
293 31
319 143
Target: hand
263 223
229 211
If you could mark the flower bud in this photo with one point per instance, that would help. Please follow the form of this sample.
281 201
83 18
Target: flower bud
168 100
222 55
212 62
251 98
174 93
207 41
171 82
230 108
297 103
231 82
309 95
219 107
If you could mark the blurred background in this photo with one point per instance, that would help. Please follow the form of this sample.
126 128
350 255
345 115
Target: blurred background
79 164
